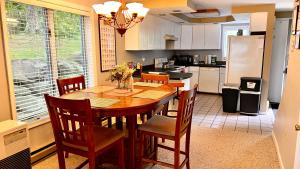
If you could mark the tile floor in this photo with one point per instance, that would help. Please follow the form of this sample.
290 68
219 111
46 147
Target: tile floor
208 113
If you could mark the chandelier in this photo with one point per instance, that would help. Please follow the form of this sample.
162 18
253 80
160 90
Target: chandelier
120 15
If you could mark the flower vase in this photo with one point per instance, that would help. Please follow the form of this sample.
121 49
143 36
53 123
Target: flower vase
125 84
119 84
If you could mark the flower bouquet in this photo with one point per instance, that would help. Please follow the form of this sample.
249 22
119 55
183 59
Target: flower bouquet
122 74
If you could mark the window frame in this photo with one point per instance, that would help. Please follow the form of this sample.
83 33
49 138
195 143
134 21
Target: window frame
48 5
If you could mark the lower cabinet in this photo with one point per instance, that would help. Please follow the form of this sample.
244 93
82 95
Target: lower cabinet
195 78
222 79
209 80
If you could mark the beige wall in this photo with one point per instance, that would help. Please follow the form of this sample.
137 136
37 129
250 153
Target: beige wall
5 111
270 8
288 114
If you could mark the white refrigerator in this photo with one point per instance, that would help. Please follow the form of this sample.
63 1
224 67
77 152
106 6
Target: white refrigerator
244 57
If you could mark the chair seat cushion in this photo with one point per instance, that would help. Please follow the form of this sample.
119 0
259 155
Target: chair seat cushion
103 137
160 125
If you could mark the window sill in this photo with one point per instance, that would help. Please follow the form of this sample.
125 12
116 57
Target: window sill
39 122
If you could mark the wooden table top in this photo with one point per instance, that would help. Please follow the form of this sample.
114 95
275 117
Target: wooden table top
127 104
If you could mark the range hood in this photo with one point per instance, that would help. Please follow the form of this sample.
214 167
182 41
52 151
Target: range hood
169 37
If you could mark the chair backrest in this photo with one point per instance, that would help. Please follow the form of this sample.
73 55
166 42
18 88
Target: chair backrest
70 84
154 78
185 110
72 122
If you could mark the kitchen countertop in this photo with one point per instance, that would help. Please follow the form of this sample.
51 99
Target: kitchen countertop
173 75
202 64
209 65
205 65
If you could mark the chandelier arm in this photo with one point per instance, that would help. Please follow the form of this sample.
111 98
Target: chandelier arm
132 25
116 24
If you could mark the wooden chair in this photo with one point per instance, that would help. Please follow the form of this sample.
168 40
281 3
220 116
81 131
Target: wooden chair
75 132
171 129
69 85
155 78
73 84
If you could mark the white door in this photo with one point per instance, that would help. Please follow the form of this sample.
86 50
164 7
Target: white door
245 57
186 36
286 138
279 55
198 37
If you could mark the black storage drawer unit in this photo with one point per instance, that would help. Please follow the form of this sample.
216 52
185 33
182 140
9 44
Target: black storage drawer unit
230 96
250 102
251 84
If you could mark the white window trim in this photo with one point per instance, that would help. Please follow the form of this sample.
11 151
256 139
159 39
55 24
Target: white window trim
59 5
51 4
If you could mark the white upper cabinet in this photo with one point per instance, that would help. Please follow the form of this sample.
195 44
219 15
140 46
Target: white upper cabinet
149 35
258 22
186 37
198 37
212 36
177 33
201 36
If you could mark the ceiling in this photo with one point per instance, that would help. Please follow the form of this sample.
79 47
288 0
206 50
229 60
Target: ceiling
225 5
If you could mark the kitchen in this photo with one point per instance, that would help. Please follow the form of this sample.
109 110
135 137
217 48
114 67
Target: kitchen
198 47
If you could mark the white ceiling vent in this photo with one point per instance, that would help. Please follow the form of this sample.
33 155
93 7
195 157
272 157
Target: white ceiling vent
204 13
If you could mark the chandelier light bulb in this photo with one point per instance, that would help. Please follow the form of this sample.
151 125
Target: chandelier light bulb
143 12
112 6
134 7
100 9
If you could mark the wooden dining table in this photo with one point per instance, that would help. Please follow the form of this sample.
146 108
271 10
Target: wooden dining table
127 105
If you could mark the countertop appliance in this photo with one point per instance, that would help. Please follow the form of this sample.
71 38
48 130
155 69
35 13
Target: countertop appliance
159 62
245 57
196 59
183 60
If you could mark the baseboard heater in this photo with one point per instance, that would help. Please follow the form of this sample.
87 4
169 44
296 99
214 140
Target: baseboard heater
14 145
42 153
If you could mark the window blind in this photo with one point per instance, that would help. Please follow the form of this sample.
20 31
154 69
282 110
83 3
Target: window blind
43 45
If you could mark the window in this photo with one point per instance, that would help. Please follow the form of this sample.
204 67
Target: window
228 30
43 45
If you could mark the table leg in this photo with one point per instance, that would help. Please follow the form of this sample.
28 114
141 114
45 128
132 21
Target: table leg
119 123
131 121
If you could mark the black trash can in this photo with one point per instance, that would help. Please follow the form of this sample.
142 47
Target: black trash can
230 96
250 95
